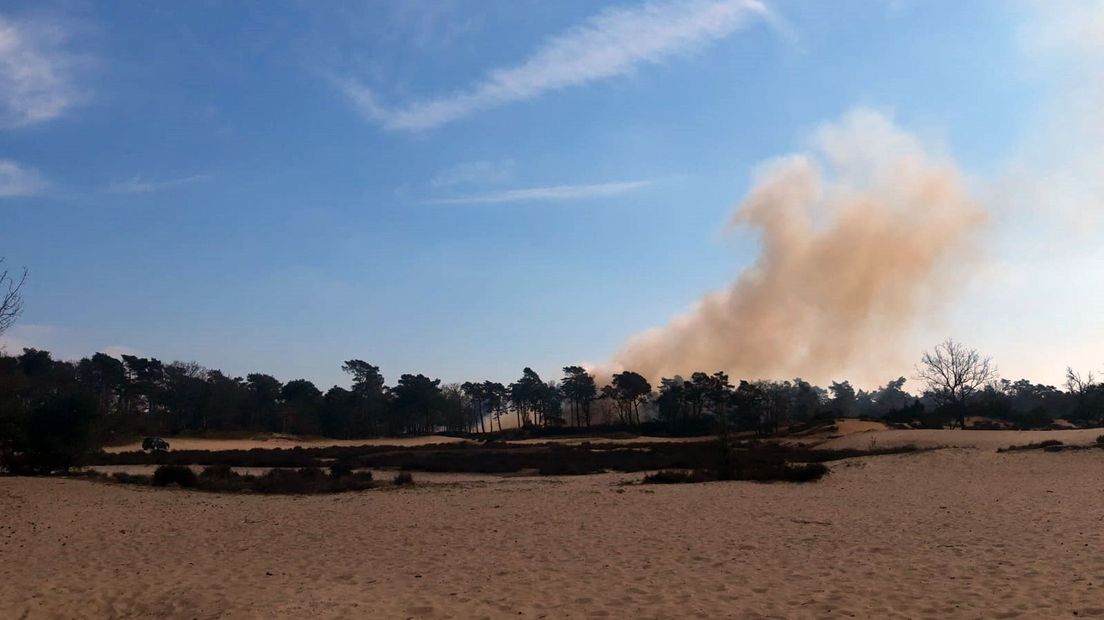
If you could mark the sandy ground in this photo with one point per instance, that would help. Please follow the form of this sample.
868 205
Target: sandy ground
927 438
954 533
199 443
574 441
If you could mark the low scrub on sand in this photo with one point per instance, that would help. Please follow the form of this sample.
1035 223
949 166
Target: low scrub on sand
754 459
179 475
1051 445
759 472
674 476
223 479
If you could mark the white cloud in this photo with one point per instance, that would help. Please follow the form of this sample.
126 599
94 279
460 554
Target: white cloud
137 185
474 173
15 180
1070 25
614 42
555 192
36 73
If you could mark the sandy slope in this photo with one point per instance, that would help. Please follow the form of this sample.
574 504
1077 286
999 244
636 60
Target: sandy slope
947 534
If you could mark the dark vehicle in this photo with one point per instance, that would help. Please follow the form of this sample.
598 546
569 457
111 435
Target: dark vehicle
155 444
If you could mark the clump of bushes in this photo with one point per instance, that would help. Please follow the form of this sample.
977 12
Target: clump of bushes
785 472
223 479
1100 440
340 469
403 478
126 478
675 476
807 472
1050 445
179 475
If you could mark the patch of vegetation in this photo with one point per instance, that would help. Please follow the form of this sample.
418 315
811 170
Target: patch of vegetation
673 476
1051 445
223 479
403 478
758 472
747 460
179 475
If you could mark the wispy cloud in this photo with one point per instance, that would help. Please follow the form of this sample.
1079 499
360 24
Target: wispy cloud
474 173
15 180
138 185
36 72
613 42
554 192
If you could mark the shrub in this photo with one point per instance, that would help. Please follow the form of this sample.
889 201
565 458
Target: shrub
403 478
808 472
217 472
340 469
1100 440
302 480
1050 445
672 476
125 478
174 474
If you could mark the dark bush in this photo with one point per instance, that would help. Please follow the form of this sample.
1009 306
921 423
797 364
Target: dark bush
403 478
340 469
303 480
673 476
174 474
217 472
126 478
1050 445
808 472
1100 440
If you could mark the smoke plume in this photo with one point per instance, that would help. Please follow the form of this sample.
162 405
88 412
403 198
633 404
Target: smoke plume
861 237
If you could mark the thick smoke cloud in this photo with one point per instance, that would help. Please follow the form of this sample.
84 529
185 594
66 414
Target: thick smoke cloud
861 237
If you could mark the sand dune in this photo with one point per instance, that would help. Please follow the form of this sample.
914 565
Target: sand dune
946 534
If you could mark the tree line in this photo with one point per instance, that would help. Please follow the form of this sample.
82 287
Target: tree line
133 395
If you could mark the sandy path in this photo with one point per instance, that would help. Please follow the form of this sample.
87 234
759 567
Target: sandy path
948 534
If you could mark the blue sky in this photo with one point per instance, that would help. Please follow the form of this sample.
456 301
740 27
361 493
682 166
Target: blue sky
454 188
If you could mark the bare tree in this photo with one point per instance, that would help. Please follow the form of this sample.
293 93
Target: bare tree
11 302
953 373
1076 383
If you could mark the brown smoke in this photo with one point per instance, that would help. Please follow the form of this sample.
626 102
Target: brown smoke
860 238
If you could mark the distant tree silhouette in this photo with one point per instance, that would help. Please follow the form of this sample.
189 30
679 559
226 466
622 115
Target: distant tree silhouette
1088 396
300 400
843 397
477 394
628 390
47 417
579 388
497 397
418 400
139 396
264 398
527 395
671 401
11 301
953 373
